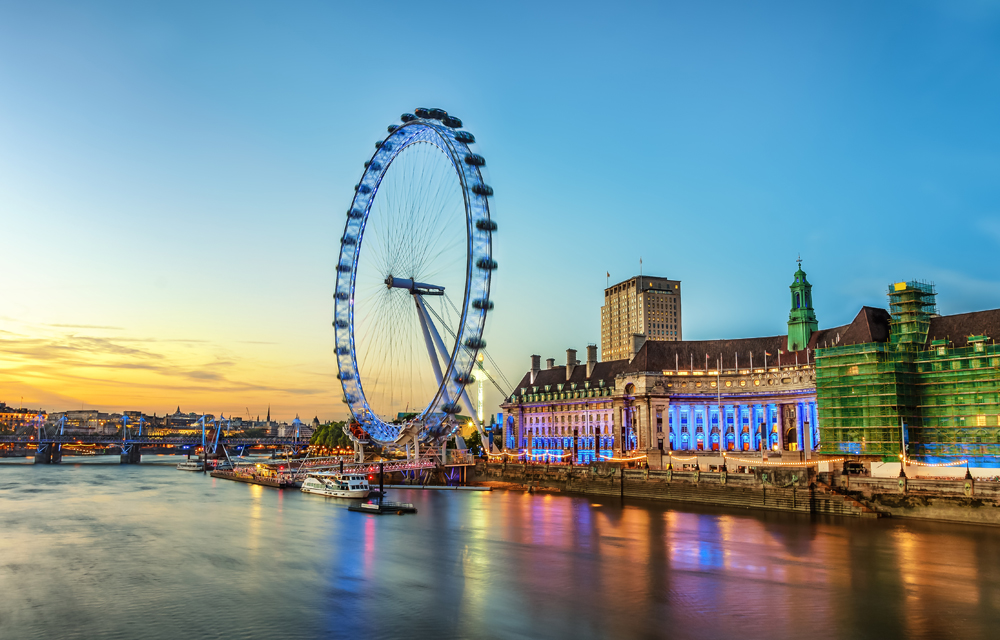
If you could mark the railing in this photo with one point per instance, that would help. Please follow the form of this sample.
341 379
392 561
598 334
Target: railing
460 456
151 440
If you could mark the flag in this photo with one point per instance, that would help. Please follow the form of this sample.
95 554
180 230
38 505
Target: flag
609 274
768 353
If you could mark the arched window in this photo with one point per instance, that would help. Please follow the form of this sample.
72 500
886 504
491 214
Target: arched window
798 301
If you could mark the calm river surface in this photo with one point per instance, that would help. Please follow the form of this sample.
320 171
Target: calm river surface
99 550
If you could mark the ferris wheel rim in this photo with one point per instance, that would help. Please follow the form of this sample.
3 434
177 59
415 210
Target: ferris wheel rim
479 265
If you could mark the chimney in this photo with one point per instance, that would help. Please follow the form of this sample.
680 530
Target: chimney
535 367
550 363
570 362
638 339
591 359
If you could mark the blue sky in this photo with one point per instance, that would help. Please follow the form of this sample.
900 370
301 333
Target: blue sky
173 175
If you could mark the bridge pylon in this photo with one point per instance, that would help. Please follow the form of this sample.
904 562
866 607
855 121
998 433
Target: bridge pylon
47 452
43 453
131 453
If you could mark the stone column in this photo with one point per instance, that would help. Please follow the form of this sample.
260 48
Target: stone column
807 440
664 435
738 427
519 428
814 422
793 417
616 429
780 412
509 428
504 430
648 441
761 418
800 429
673 426
708 427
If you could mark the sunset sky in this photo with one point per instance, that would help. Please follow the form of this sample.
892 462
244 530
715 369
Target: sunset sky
174 176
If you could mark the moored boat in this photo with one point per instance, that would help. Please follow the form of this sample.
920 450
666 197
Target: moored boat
191 465
337 485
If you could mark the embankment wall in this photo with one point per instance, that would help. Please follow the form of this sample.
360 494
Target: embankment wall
796 489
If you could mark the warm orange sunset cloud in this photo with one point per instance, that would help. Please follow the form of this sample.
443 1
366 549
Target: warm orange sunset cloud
62 366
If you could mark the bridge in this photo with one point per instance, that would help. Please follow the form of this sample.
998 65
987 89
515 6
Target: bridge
49 447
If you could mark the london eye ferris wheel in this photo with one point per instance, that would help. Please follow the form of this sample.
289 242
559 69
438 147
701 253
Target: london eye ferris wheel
413 281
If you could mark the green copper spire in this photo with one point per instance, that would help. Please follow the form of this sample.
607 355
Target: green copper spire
802 318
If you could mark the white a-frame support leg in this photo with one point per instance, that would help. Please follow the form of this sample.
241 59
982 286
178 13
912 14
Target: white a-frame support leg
427 325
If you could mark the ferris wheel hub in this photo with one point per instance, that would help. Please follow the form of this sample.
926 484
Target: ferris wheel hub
415 288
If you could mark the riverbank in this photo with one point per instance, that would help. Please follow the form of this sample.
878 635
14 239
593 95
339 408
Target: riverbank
792 489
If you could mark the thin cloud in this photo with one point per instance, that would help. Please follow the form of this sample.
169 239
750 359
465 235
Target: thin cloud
100 368
86 326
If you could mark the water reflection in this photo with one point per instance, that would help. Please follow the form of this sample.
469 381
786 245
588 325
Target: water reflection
168 547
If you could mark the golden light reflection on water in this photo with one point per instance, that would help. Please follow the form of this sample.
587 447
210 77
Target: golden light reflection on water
254 518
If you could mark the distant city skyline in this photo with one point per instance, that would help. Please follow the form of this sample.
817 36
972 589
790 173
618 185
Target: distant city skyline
173 180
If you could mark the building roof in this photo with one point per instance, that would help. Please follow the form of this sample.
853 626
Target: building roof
687 355
959 327
644 279
870 325
557 375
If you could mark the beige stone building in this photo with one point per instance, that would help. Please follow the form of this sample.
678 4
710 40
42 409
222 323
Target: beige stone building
713 395
666 400
641 306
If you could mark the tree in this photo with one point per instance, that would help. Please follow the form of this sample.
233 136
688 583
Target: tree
330 435
475 442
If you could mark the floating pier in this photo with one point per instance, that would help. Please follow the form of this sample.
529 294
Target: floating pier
379 508
278 482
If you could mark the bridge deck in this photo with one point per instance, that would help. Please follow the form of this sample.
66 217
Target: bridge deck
147 440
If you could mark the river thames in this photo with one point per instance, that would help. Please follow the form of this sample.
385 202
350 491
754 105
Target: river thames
95 549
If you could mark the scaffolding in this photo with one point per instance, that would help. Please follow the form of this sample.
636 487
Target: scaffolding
906 397
959 390
911 305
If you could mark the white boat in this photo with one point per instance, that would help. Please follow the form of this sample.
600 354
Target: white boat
335 485
191 465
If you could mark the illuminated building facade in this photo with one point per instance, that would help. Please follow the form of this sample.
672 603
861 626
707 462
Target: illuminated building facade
12 418
662 396
734 395
86 422
642 306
